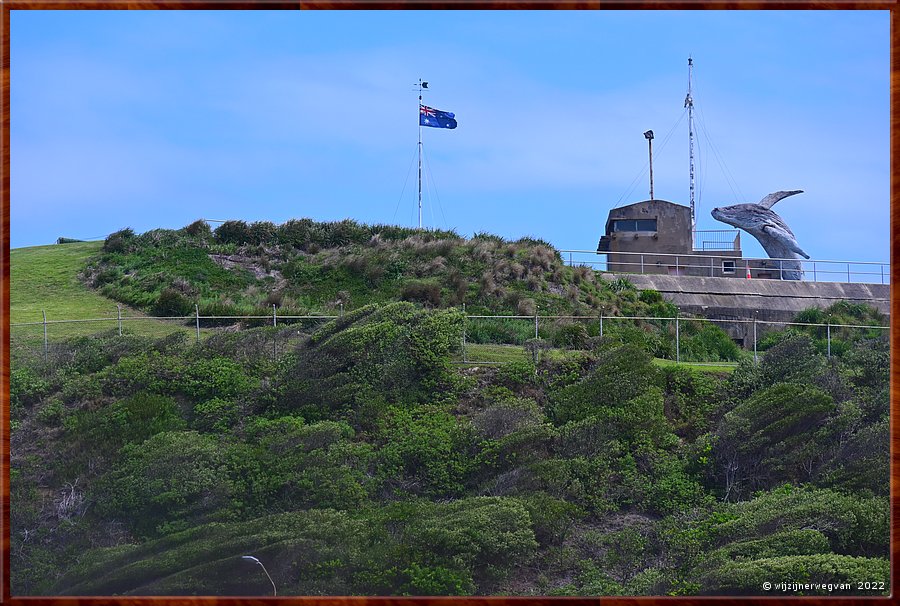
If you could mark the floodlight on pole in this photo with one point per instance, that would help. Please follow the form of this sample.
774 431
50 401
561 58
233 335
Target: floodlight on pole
649 137
251 558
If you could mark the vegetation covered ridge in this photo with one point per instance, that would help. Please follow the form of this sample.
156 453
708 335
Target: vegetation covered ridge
362 461
303 266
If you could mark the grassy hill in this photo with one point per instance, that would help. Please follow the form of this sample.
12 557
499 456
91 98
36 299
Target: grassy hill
358 456
46 279
303 267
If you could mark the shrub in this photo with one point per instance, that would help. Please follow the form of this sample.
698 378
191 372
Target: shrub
51 412
353 366
434 580
172 302
571 336
773 436
794 358
867 364
650 296
516 374
499 331
486 536
427 293
423 451
216 377
173 480
551 518
261 232
296 233
861 461
709 344
233 232
119 242
26 387
619 375
216 415
854 525
692 399
503 419
742 577
199 229
309 465
805 541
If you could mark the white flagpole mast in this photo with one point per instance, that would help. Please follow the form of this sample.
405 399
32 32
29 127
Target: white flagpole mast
421 86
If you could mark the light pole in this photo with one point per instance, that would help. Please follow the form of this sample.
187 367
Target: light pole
248 557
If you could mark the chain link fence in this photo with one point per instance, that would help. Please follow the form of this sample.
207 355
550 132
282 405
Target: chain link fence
676 338
486 339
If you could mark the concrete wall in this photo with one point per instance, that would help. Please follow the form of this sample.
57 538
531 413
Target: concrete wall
767 300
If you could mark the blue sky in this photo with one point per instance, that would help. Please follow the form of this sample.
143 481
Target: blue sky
154 119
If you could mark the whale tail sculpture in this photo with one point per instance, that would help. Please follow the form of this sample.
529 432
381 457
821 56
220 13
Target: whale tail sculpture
764 224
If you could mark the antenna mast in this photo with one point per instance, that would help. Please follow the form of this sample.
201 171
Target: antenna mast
689 104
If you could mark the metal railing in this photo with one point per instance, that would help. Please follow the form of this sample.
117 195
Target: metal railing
812 270
716 239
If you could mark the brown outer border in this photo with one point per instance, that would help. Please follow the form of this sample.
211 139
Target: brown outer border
7 5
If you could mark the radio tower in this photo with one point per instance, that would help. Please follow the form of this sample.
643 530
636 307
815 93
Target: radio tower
689 104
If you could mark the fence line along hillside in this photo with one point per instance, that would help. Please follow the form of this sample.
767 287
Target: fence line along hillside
676 339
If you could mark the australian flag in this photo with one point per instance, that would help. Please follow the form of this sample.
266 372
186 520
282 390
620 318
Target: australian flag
428 116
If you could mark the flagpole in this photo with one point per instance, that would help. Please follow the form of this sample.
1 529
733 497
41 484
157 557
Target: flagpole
420 153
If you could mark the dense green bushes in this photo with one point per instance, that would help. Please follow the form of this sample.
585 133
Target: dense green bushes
619 375
361 460
305 266
356 366
411 548
766 440
423 451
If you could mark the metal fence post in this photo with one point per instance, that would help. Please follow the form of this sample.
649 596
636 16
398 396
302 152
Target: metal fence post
535 325
829 340
755 359
815 279
882 273
848 273
677 339
711 266
274 316
197 311
46 347
601 323
119 314
677 270
642 263
342 308
465 322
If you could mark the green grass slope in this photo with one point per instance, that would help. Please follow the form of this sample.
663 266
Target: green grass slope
46 279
